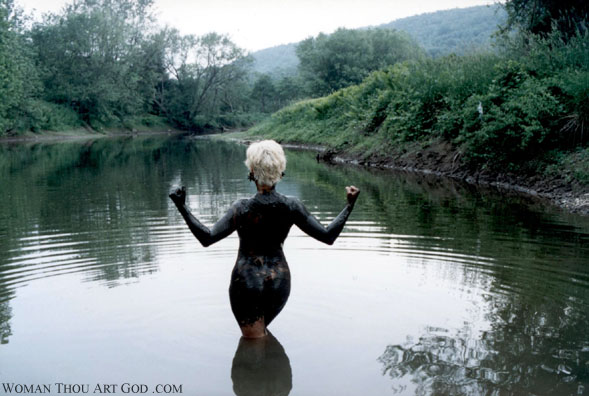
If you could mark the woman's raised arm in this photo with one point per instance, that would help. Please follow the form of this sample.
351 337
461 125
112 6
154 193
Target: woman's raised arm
311 226
222 228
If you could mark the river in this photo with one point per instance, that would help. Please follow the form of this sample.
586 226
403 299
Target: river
434 287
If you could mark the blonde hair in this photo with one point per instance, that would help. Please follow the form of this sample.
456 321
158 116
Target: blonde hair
266 161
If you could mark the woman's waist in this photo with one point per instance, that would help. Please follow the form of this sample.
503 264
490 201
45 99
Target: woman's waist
269 250
261 259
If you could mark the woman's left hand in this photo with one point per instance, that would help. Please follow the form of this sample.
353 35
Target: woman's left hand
352 193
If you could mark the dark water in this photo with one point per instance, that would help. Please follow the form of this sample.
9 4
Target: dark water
433 287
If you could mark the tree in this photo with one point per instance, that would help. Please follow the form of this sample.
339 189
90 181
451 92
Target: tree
94 57
9 81
539 16
346 57
264 93
201 72
289 89
18 75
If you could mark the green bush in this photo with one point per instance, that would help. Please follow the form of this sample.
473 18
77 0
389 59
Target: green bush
575 85
38 115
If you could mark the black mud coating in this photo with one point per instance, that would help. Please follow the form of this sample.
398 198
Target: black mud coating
260 281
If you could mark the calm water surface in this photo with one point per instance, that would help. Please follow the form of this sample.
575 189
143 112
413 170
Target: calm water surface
433 287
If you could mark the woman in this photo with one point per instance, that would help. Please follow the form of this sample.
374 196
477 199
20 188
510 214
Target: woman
260 281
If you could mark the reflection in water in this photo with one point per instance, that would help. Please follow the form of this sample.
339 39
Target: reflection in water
527 350
72 207
5 314
528 264
261 368
6 294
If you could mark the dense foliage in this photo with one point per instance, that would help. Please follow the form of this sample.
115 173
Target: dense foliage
543 16
104 63
18 75
204 80
94 59
498 110
346 57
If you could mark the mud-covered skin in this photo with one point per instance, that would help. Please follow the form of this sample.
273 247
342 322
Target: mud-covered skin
260 280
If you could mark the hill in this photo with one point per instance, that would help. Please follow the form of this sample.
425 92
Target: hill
279 61
452 31
439 33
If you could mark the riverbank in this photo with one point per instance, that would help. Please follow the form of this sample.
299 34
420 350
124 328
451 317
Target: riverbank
88 133
556 187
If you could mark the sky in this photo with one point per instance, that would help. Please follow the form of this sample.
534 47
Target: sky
259 24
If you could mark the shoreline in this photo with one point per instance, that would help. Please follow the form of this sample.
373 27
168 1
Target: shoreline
554 191
85 133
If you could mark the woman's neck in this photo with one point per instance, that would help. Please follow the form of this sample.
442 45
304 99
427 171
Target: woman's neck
263 189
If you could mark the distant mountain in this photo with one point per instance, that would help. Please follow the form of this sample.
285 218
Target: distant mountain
452 31
279 61
440 33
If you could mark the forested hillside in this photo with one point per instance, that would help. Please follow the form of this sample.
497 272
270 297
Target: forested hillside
458 31
440 33
278 62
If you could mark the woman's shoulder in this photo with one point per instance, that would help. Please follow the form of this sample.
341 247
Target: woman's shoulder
294 203
289 199
240 205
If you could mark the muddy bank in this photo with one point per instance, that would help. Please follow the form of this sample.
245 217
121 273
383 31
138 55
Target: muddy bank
440 160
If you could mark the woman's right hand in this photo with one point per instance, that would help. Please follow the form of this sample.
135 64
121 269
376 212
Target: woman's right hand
352 193
179 196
